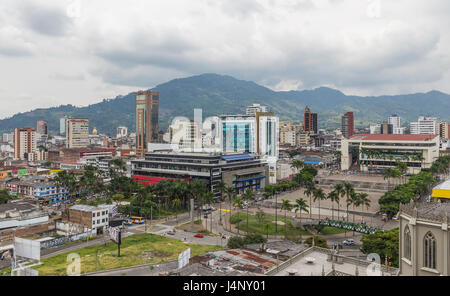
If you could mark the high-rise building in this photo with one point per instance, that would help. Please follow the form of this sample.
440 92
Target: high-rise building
41 127
62 126
25 143
257 134
386 128
77 133
443 130
187 134
310 121
288 133
253 109
147 104
347 126
424 126
397 128
375 129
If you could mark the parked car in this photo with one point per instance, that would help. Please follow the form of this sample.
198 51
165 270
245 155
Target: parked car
171 232
349 242
199 235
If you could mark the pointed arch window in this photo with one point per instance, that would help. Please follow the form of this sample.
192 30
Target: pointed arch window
407 244
429 245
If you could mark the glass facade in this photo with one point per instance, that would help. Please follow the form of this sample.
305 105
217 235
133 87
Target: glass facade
237 137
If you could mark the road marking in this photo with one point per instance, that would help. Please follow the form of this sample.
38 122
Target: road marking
225 210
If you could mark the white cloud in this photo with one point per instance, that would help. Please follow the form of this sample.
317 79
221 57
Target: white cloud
89 50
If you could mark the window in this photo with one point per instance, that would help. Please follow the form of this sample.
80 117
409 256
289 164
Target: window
98 221
429 246
93 222
98 214
407 244
103 213
103 220
93 214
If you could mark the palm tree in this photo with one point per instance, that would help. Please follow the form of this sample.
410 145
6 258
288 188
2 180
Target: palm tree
297 164
209 198
300 205
319 195
175 204
220 186
231 194
339 188
364 201
286 206
332 196
248 196
309 192
355 201
348 189
239 203
271 191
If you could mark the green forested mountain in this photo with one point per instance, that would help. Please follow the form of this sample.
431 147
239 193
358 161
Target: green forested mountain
217 94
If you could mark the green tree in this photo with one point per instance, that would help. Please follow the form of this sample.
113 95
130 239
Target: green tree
309 192
231 194
238 203
349 190
300 205
286 206
4 196
319 195
220 186
383 243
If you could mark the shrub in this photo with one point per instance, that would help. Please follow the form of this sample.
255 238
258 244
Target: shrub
235 242
318 242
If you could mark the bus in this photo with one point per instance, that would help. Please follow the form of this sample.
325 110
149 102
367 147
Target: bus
137 220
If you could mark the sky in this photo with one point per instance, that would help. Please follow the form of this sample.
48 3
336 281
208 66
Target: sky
79 52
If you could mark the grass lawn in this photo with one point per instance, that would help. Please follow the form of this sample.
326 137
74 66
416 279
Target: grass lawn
255 226
135 250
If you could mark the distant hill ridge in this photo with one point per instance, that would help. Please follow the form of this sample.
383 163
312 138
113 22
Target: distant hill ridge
219 94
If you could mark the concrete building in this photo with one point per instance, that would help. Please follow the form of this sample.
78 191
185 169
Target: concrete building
77 133
378 152
375 128
187 134
255 108
122 132
442 129
424 239
38 189
240 171
424 126
25 144
310 123
41 127
147 115
21 213
288 133
347 125
62 125
94 218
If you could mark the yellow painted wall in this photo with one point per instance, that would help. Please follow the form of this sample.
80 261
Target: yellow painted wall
441 193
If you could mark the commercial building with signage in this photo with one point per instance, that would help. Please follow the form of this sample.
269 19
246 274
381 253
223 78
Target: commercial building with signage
241 171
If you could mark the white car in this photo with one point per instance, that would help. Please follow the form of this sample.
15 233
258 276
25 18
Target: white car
349 242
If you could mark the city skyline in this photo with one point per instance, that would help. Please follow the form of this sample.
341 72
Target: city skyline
183 44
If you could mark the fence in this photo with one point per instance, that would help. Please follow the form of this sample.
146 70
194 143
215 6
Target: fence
62 240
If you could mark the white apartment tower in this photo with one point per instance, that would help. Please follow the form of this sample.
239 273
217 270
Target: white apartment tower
25 144
424 126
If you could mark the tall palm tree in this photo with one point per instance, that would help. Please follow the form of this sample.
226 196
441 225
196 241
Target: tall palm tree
248 196
348 189
272 191
220 186
286 206
365 202
209 198
239 203
231 194
319 195
332 196
309 192
355 201
176 204
339 188
300 205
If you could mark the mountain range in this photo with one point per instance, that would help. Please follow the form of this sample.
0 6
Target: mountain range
219 94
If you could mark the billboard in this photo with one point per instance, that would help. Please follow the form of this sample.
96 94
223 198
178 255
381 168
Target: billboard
27 248
114 234
183 258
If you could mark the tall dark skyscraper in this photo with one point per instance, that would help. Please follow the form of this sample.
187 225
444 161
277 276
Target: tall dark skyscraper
147 104
347 125
310 121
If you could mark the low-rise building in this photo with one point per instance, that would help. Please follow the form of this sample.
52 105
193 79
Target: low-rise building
19 213
241 171
376 152
95 218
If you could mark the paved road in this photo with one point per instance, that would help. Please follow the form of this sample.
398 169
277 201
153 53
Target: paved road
140 270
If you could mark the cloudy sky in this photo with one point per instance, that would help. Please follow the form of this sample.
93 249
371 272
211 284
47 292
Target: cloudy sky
78 52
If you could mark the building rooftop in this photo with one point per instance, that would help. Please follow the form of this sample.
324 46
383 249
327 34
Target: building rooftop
84 208
392 137
432 211
18 205
443 186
